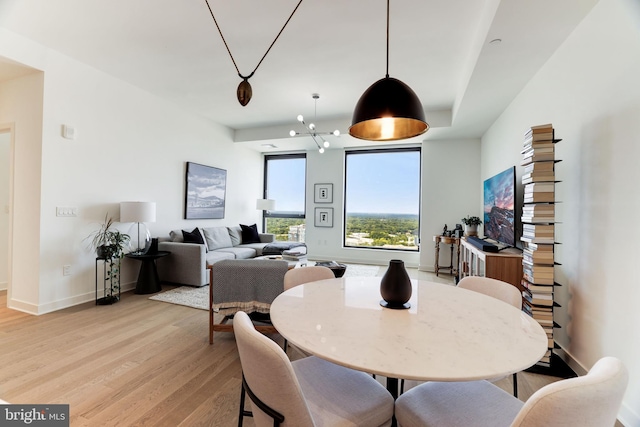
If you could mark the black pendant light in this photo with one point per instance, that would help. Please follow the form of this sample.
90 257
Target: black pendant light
388 110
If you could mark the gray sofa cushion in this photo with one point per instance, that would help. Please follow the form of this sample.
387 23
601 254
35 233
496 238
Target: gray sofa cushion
217 237
240 252
215 256
255 246
236 235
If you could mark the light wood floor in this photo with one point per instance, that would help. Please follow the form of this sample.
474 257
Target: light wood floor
135 363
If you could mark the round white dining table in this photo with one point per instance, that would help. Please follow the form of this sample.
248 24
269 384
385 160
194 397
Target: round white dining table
448 333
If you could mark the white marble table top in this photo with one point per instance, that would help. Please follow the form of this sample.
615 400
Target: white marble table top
448 334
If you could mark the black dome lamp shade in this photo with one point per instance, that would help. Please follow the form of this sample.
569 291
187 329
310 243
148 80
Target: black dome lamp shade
388 110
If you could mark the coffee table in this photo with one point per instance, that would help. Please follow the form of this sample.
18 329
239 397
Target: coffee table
292 264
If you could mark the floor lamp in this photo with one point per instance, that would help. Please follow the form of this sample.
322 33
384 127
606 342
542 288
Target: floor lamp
138 213
265 205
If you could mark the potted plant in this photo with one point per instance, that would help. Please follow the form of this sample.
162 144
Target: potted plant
471 224
109 245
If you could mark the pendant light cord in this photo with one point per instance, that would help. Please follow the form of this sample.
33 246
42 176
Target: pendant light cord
274 41
387 75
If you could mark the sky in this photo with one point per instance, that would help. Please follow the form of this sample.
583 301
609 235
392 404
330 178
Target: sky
388 183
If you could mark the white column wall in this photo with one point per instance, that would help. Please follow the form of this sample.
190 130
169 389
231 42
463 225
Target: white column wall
4 207
589 91
21 107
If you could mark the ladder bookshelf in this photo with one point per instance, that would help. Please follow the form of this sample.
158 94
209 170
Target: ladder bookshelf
538 233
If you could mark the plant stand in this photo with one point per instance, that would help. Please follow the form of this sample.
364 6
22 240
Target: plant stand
110 281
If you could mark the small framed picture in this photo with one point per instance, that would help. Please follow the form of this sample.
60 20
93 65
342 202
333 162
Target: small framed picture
323 193
324 217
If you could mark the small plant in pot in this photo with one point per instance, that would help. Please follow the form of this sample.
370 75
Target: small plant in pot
471 224
109 245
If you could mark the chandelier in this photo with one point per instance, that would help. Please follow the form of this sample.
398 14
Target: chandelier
310 129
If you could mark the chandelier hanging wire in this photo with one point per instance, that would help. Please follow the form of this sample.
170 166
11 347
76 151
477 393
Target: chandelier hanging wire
310 129
245 91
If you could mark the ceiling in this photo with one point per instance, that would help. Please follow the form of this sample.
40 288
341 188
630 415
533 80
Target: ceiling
336 48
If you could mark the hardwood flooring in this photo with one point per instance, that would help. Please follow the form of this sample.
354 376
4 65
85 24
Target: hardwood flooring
134 363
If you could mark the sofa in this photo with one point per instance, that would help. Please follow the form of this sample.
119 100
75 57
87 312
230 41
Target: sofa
188 262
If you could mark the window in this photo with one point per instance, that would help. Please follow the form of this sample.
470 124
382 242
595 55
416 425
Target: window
382 199
285 182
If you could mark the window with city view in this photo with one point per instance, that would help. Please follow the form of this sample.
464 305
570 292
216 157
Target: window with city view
285 182
382 199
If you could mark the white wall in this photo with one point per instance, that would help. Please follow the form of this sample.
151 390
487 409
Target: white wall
129 146
589 90
4 208
449 192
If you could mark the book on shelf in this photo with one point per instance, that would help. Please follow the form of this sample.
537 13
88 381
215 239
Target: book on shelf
545 128
540 187
538 300
540 209
537 257
539 197
537 143
537 219
538 228
537 157
542 270
538 240
529 178
544 247
540 149
539 167
537 279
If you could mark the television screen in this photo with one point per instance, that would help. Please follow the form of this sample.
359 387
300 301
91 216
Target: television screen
499 204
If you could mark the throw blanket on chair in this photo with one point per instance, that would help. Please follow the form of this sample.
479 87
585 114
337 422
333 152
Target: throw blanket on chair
246 284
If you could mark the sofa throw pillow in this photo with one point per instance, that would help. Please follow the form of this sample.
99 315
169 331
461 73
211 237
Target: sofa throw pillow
192 236
217 237
250 233
236 235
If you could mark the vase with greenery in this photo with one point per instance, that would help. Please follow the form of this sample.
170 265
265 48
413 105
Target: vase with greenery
109 245
471 224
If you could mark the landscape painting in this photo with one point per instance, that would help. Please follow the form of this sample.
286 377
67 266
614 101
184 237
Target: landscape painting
205 192
499 207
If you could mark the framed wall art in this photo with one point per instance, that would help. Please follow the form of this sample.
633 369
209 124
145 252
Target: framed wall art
323 217
323 193
205 192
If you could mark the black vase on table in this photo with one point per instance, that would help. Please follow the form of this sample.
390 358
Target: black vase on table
395 286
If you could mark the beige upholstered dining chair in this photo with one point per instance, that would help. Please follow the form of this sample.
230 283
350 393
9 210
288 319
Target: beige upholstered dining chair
298 276
307 392
592 400
503 291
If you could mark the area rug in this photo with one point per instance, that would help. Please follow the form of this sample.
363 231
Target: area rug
199 297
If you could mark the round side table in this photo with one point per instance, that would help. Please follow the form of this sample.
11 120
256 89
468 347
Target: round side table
148 280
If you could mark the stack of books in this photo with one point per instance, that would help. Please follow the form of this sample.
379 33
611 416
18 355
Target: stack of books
294 255
538 229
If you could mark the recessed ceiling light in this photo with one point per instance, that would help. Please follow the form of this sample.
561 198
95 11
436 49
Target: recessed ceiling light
495 41
268 145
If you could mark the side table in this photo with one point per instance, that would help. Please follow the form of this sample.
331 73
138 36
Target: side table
453 241
148 280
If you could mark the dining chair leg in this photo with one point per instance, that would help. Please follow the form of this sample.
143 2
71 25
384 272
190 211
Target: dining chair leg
515 385
242 413
402 386
286 344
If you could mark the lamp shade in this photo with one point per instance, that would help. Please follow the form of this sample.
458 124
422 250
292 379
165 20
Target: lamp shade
137 211
388 110
265 204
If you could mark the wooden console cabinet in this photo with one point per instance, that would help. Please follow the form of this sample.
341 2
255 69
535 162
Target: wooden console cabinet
505 265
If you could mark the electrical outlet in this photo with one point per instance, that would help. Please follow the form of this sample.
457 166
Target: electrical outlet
66 270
